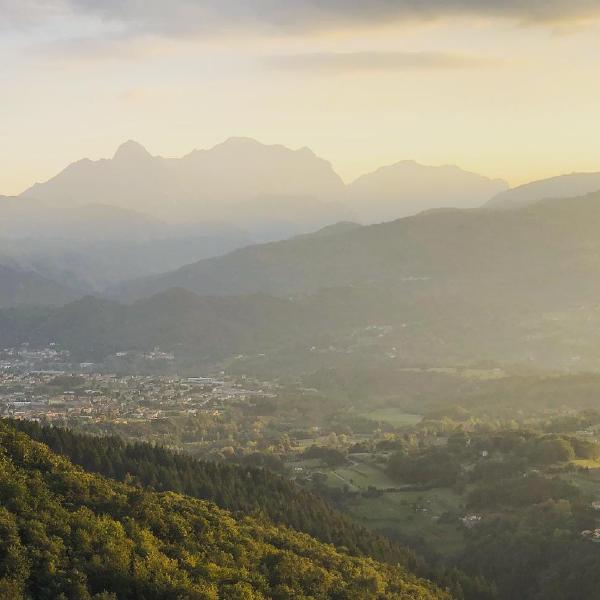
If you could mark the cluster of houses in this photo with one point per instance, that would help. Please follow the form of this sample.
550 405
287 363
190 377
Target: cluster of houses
471 520
56 396
24 358
593 535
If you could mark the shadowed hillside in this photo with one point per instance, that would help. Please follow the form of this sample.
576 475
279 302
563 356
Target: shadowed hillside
446 285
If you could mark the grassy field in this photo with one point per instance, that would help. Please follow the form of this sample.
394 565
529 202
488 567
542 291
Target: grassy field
359 475
407 513
414 514
323 440
590 464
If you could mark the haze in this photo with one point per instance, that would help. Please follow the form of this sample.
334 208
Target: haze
505 89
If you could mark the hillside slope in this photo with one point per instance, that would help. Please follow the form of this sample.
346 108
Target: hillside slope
68 533
239 489
563 186
447 286
91 246
19 287
209 327
553 243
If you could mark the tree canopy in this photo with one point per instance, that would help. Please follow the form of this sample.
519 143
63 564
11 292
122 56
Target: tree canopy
70 534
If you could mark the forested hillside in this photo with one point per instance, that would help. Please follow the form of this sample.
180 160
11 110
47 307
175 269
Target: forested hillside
446 252
444 287
244 490
25 287
66 533
562 186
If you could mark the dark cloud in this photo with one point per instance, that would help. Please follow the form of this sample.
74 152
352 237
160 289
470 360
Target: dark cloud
23 13
204 16
375 61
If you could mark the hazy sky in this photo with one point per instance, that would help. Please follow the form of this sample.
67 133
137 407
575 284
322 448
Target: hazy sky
506 88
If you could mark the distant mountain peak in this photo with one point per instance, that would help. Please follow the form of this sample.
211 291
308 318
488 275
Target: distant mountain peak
241 141
239 144
414 165
408 187
308 151
131 150
248 143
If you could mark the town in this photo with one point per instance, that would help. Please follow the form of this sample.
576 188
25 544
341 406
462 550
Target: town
38 385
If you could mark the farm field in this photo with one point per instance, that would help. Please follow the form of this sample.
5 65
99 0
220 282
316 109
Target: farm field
414 514
382 504
360 475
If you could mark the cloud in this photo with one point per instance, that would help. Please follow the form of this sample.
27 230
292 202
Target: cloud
110 47
23 13
375 61
176 17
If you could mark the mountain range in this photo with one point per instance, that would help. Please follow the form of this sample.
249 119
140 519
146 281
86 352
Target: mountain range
240 182
268 190
440 247
99 223
447 285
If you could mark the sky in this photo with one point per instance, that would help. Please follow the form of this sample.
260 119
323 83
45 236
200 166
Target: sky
504 88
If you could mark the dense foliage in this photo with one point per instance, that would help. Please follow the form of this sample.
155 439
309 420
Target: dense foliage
537 552
433 467
248 490
69 534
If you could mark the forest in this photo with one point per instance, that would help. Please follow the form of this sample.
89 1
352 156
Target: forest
71 535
